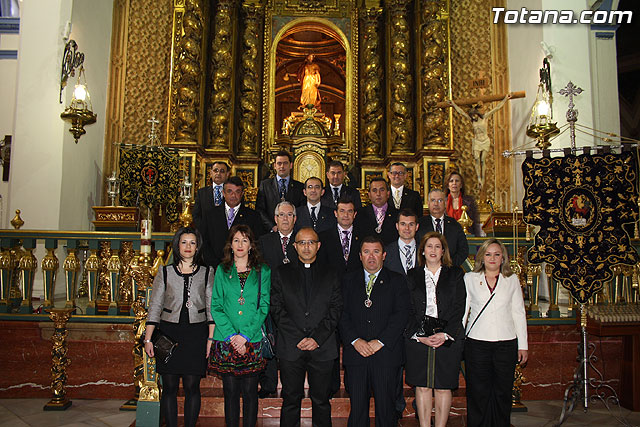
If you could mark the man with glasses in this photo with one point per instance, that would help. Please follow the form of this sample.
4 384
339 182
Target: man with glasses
277 249
278 189
337 189
306 303
313 213
210 196
401 196
443 224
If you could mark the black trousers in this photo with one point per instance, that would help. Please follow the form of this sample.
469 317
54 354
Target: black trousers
292 374
383 380
490 368
268 378
232 387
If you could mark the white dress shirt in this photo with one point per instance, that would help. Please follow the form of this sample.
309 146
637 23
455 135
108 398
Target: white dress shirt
504 318
402 250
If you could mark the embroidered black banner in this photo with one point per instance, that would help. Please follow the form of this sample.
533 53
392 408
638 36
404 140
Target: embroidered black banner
149 178
580 204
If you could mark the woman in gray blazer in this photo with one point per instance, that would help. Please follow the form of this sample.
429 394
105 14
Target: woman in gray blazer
179 307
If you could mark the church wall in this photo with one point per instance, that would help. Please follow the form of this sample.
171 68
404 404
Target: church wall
39 134
525 58
8 71
82 174
571 62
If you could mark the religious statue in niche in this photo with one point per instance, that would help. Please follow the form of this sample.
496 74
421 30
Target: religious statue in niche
309 78
480 143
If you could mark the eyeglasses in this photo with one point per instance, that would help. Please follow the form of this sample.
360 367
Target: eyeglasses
286 215
399 173
306 242
216 170
317 187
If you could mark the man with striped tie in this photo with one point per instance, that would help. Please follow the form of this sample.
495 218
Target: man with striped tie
210 196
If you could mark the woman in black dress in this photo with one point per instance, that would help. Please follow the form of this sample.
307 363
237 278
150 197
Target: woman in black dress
433 361
180 307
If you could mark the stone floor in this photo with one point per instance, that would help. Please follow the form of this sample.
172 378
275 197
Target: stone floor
28 412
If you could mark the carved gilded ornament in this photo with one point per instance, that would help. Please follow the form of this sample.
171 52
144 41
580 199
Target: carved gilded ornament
250 88
220 115
185 110
434 72
400 80
371 89
104 280
115 216
127 254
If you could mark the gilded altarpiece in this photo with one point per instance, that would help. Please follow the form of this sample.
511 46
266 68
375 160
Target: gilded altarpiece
208 70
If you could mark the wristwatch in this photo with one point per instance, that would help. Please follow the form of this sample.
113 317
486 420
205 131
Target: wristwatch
146 341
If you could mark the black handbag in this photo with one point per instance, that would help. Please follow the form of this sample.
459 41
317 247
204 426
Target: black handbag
431 325
163 345
268 343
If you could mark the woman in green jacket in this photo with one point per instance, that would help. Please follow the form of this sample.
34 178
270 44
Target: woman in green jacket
239 305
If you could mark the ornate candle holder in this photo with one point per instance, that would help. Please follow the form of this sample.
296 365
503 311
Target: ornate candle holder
113 187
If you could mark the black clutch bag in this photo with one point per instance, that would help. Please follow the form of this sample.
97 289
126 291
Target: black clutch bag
163 345
430 326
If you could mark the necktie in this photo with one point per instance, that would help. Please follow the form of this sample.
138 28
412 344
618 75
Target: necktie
372 279
283 189
438 225
409 256
285 240
314 218
379 220
217 195
336 195
345 244
232 214
396 198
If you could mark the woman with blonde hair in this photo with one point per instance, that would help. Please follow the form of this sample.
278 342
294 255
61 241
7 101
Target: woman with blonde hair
434 335
496 330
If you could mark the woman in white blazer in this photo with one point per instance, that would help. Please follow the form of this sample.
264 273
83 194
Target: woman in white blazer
496 326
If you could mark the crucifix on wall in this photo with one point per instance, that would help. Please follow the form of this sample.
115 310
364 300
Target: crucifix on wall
478 116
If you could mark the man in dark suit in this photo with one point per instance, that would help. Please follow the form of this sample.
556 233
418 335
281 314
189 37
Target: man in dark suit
438 221
379 217
313 213
211 195
402 253
337 189
277 189
306 304
216 221
376 306
277 249
402 257
401 196
340 245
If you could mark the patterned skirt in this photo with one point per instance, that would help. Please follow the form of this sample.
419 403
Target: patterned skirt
225 360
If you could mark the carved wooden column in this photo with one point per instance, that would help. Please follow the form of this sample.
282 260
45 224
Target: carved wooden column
187 72
222 86
400 80
371 87
433 75
59 359
250 82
